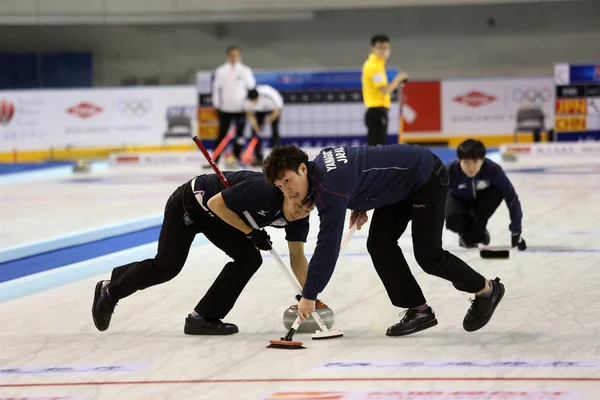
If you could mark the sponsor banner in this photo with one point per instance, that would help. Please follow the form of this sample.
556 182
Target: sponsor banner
427 395
293 81
478 364
554 149
565 74
489 106
170 157
421 107
116 117
194 156
578 136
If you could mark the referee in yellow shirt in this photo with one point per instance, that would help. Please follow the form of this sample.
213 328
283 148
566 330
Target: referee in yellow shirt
377 91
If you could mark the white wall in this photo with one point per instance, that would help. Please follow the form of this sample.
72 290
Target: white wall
429 42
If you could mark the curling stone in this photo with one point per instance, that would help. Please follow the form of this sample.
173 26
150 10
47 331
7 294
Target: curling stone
310 325
82 166
510 155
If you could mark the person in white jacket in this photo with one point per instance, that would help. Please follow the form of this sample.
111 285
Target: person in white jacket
231 84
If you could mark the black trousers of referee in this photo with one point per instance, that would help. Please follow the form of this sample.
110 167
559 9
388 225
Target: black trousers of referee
225 120
376 120
260 120
425 208
469 218
174 245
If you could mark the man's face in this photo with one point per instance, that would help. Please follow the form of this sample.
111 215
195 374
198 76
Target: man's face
294 184
234 56
381 49
293 210
471 167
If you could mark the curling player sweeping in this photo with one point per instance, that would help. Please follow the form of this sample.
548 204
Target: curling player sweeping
401 183
204 205
477 187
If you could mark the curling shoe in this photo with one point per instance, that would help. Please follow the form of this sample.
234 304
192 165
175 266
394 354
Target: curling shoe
413 321
201 326
486 238
464 244
483 307
103 306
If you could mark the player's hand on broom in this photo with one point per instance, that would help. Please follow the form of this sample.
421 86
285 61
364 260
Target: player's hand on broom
305 308
261 239
360 217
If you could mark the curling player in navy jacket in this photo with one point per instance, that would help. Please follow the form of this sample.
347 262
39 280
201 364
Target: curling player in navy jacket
477 187
401 183
204 205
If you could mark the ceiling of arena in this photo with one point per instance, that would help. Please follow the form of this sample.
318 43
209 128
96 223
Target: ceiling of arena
81 12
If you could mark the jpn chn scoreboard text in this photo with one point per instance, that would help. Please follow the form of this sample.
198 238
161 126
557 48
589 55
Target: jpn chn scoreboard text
577 109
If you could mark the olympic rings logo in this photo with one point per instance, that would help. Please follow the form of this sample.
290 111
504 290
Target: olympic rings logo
135 107
532 95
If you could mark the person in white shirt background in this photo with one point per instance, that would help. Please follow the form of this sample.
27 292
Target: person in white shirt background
263 107
231 84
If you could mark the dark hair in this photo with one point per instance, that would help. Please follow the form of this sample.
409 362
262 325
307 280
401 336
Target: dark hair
471 149
231 48
379 38
281 159
253 94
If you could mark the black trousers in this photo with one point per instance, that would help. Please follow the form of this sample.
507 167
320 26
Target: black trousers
425 207
173 248
376 120
469 218
225 120
260 120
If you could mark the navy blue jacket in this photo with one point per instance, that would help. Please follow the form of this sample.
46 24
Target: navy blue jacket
357 178
250 191
491 175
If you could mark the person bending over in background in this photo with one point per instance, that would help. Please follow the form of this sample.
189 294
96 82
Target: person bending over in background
263 107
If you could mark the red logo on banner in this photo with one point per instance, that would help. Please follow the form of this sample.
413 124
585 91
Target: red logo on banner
7 110
421 107
475 99
84 110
